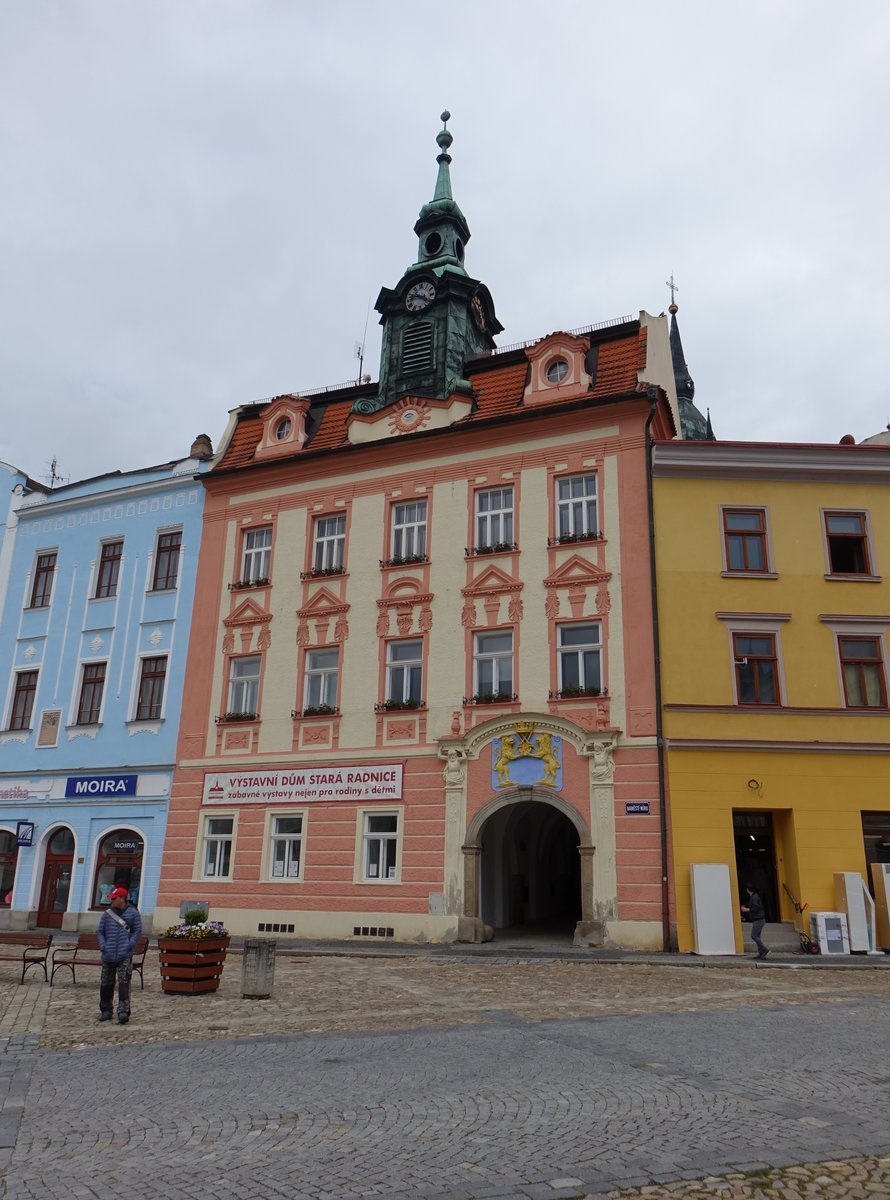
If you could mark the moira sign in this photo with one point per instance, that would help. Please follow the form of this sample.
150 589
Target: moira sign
317 784
101 785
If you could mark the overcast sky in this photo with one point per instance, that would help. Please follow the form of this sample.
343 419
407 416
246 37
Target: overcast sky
201 198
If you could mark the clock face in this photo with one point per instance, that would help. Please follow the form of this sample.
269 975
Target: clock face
420 296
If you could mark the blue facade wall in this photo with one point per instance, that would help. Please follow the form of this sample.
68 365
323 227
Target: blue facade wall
88 771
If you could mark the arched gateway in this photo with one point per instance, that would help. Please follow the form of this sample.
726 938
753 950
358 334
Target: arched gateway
528 850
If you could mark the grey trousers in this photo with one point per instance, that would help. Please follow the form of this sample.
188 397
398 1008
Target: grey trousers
756 931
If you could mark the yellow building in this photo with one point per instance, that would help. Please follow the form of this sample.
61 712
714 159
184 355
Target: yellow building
773 619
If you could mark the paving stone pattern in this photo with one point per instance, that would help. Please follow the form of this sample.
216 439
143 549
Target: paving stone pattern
460 1079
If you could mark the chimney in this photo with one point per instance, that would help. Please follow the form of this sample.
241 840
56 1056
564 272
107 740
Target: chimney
202 448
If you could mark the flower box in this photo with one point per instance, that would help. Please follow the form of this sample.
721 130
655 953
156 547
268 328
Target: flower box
191 965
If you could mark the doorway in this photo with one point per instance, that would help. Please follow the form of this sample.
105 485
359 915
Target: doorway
755 859
56 885
530 871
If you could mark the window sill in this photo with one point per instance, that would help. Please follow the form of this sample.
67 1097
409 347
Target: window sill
380 882
15 735
282 879
749 574
304 715
573 539
412 560
588 694
160 591
110 596
487 551
839 578
244 585
83 726
246 719
399 708
477 702
36 607
323 573
150 725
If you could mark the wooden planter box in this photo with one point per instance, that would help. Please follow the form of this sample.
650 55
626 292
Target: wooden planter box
191 965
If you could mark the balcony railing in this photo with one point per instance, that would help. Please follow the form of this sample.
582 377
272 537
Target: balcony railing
399 706
569 539
577 693
403 560
315 710
241 584
232 718
321 573
494 548
491 698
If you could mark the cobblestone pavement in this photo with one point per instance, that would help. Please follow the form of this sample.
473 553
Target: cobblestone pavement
456 1078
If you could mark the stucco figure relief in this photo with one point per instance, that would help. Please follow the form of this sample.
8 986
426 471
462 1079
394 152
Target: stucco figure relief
468 614
228 644
502 763
303 633
341 629
264 641
551 605
383 623
400 732
454 768
426 619
602 760
404 619
603 600
515 609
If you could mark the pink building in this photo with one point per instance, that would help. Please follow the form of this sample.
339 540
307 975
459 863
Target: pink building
420 701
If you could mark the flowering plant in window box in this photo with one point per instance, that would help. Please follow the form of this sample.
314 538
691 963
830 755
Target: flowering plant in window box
492 697
319 710
566 539
249 583
403 560
494 548
573 692
236 716
321 572
395 705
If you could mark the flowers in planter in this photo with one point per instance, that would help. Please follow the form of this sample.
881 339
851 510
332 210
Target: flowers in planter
491 697
319 710
196 927
391 705
568 693
237 716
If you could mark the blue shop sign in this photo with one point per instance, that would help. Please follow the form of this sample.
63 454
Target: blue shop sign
24 833
101 785
636 807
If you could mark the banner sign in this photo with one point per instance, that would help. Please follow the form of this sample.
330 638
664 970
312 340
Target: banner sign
310 785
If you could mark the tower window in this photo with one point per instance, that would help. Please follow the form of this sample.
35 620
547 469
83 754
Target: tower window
433 243
417 347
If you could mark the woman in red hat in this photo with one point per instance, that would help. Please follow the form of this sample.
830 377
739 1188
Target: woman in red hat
120 928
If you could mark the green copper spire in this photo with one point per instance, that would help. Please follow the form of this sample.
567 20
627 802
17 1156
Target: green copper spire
436 317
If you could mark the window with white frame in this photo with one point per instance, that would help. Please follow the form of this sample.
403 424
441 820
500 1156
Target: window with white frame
244 686
286 847
381 844
329 543
320 687
404 672
108 571
23 694
257 557
494 518
493 664
218 835
150 697
409 529
580 659
44 573
576 508
92 689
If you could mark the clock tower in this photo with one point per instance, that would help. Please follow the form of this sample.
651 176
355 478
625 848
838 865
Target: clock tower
436 317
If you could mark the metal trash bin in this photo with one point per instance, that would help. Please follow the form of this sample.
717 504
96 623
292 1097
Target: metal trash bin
258 968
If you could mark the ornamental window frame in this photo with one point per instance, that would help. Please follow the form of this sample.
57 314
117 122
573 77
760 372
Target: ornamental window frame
877 662
167 560
747 624
329 545
321 682
571 510
256 560
24 695
494 526
108 568
579 652
43 578
409 532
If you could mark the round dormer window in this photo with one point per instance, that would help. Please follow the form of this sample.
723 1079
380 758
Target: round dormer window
557 370
283 428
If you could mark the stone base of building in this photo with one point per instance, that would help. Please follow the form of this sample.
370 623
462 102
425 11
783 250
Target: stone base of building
633 935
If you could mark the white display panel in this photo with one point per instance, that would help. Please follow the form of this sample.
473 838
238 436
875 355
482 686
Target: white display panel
713 912
829 931
854 900
880 874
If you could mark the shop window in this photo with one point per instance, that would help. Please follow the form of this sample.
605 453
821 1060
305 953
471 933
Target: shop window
109 569
285 853
217 853
167 554
119 865
744 538
44 573
9 853
876 835
380 854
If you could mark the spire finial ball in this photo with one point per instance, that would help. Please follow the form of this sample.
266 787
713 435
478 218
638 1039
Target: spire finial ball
673 308
445 116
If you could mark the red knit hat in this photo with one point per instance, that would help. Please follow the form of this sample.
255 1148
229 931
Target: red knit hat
119 893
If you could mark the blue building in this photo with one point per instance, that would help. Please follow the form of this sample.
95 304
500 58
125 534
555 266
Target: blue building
93 640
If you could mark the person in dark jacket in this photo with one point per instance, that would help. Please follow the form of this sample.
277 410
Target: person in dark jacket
757 916
120 928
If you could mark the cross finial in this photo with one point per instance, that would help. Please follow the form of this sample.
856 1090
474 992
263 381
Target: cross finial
670 283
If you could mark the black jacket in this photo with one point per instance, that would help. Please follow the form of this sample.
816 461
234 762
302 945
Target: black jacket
755 908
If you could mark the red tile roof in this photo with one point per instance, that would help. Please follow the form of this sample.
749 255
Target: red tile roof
499 391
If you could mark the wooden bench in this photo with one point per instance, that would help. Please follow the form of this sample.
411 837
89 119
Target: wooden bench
32 949
85 953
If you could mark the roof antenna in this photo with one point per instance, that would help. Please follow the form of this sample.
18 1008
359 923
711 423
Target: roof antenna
360 348
54 477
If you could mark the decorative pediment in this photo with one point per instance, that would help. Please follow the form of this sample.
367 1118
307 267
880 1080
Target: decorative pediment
404 598
557 369
247 613
577 570
492 582
323 604
284 427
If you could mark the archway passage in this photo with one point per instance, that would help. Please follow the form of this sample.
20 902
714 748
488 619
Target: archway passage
530 871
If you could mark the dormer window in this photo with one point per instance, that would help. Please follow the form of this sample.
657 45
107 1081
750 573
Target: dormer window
557 370
284 427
